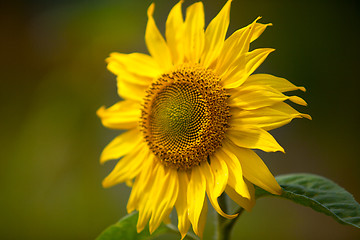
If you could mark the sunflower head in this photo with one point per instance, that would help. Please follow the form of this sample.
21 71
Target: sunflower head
185 116
194 111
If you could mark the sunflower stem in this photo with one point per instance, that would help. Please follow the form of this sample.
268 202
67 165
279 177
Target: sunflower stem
224 225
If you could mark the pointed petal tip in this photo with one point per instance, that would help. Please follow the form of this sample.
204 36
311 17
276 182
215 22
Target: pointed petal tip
106 183
227 6
281 149
108 59
307 116
151 229
102 159
113 54
150 10
302 89
275 189
129 209
228 2
139 229
100 111
278 191
140 226
246 195
183 235
129 183
298 100
228 216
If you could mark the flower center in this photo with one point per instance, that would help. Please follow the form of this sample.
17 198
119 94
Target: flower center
185 116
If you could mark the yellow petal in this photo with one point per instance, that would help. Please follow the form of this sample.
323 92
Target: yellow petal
259 28
130 85
286 109
143 219
129 182
137 64
210 185
245 203
253 137
156 43
253 97
122 115
236 179
146 206
128 167
181 204
255 170
255 58
234 47
121 145
221 175
244 66
166 192
280 84
195 197
267 118
250 97
298 100
202 219
194 37
175 33
215 35
141 187
129 90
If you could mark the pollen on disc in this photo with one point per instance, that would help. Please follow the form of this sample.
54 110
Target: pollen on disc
185 116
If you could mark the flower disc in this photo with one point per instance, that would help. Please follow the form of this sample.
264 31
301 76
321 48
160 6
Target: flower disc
184 117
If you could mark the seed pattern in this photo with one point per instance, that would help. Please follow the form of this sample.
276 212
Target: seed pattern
184 116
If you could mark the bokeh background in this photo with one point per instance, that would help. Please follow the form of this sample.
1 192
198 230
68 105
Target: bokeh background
54 78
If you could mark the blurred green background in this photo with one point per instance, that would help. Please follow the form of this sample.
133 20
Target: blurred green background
54 78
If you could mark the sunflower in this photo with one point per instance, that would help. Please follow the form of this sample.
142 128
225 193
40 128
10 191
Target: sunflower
193 112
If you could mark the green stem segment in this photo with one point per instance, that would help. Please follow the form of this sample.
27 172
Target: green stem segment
224 225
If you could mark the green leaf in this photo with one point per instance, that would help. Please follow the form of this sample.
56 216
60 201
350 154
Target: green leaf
125 228
319 193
